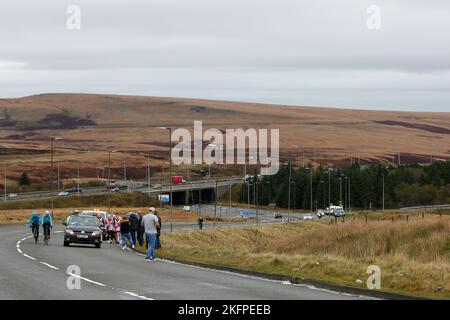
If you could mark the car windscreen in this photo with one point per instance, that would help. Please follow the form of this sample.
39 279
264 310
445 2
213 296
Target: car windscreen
83 221
102 214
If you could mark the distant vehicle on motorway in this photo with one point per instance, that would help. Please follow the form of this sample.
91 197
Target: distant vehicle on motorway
307 216
339 212
82 229
186 208
277 215
320 213
74 190
244 214
116 189
178 179
12 195
63 194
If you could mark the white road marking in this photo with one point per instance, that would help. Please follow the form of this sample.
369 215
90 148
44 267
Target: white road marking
29 257
137 296
86 279
49 265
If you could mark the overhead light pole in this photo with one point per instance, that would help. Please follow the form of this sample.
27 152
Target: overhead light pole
4 183
149 175
349 195
345 192
323 183
340 189
52 140
78 178
311 187
257 202
52 181
383 192
293 182
170 173
58 176
329 187
109 178
290 181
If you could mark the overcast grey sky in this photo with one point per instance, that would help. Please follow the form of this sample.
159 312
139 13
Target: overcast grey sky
318 53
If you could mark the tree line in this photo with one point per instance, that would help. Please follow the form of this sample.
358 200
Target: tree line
356 186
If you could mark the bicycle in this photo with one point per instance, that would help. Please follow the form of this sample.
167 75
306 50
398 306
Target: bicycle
35 229
46 234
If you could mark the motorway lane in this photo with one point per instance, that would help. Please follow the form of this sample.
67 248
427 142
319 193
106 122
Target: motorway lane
124 275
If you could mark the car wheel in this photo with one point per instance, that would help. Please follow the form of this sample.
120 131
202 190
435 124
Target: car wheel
66 243
98 245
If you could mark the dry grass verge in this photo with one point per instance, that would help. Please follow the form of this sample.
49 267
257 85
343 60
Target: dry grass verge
414 257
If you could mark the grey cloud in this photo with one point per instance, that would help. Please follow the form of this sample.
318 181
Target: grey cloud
279 51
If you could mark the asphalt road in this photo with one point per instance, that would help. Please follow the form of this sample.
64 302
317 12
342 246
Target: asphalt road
38 271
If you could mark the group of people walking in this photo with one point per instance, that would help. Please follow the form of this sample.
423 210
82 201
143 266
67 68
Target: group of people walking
135 228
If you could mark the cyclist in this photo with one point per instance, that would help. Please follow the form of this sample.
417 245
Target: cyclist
47 222
35 222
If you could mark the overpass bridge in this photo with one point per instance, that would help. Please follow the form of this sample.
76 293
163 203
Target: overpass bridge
194 191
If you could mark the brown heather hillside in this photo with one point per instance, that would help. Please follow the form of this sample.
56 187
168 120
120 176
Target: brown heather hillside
89 124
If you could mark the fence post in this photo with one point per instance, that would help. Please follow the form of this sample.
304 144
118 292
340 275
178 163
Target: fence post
392 218
365 218
407 218
423 215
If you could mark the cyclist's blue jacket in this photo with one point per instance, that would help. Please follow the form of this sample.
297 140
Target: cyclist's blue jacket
35 219
46 218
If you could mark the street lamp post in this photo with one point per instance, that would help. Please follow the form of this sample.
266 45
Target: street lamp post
348 203
329 188
78 178
109 178
124 168
270 191
323 183
257 203
4 183
170 173
289 189
51 149
149 184
53 139
58 177
293 182
311 187
383 191
345 191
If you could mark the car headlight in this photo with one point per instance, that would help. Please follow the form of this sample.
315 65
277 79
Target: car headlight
69 231
96 233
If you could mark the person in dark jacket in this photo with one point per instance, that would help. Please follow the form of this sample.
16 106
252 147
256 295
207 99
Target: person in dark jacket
125 228
200 222
158 232
140 230
134 225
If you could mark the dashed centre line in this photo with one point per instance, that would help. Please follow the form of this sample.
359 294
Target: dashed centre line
71 274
